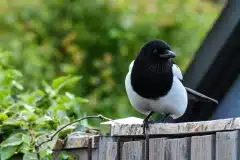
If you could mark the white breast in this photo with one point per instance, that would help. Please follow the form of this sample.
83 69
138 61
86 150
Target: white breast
174 103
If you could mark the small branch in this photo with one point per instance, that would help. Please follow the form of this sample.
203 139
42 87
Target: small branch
78 120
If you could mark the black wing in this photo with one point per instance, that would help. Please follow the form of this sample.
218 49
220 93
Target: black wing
196 96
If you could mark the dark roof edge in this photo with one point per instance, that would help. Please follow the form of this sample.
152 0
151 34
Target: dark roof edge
212 44
215 66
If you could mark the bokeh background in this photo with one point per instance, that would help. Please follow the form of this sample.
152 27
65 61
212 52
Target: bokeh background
97 39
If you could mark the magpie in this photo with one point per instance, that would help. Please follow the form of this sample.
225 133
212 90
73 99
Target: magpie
154 83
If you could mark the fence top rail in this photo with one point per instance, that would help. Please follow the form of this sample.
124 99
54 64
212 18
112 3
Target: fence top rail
201 127
128 129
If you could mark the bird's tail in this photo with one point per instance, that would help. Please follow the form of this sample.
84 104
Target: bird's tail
199 96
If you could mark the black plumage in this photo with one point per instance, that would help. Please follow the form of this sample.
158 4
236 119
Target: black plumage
151 76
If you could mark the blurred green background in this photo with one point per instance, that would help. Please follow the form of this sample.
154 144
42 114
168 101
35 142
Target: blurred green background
97 39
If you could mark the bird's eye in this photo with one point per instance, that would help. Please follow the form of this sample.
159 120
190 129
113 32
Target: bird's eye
155 52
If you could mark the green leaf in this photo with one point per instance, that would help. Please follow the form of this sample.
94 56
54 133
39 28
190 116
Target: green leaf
7 152
48 89
12 144
13 73
26 145
63 155
25 148
28 116
43 120
58 81
66 131
26 138
14 140
61 82
69 95
81 100
30 156
39 92
12 122
17 85
73 80
3 116
66 156
46 153
4 93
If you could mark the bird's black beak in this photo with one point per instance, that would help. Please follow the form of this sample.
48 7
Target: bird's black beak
168 54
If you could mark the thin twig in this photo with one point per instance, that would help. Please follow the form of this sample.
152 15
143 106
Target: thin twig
78 120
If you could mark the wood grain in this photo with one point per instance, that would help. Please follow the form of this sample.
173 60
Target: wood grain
178 149
227 145
203 147
157 148
112 151
133 150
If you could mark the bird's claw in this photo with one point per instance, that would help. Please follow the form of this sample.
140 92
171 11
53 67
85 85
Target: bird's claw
145 124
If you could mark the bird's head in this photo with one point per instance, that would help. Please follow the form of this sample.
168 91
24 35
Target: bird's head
158 50
151 74
155 56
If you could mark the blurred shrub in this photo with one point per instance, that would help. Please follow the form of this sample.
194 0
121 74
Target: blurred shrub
28 116
98 39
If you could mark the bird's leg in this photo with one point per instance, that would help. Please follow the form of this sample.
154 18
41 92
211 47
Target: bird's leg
145 122
145 126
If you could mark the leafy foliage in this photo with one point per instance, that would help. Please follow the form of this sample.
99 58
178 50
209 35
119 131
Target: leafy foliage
29 115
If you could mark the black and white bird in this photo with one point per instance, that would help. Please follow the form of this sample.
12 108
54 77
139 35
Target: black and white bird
154 83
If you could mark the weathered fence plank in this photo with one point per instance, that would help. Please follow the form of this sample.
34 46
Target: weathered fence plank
157 148
133 150
227 145
203 147
178 149
112 151
103 142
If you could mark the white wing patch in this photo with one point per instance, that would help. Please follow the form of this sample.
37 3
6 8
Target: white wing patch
177 71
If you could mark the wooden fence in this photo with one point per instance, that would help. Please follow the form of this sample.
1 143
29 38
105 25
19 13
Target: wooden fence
208 140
